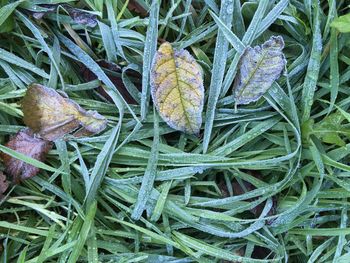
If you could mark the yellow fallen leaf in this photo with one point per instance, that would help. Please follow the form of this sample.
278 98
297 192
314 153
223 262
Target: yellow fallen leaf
177 88
52 116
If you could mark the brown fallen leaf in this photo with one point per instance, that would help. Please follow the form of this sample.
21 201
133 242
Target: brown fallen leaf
52 116
26 143
3 184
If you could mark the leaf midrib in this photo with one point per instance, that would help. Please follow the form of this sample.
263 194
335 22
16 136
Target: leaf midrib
179 90
253 72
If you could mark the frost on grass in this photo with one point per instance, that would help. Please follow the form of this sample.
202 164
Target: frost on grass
52 115
259 67
342 23
177 88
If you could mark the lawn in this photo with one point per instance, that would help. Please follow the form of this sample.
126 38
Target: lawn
174 131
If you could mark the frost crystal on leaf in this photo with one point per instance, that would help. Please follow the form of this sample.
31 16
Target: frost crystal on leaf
177 88
52 116
259 67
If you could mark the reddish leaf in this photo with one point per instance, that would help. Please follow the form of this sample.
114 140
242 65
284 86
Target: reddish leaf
3 184
133 5
24 142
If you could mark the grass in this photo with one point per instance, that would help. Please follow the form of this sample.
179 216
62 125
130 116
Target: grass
268 182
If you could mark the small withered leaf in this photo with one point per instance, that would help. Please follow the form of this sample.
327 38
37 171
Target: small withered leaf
81 17
135 6
52 116
44 10
3 184
177 88
260 66
26 143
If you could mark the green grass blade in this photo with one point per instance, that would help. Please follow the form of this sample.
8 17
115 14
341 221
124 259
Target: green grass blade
219 64
7 10
312 69
83 233
13 59
101 166
149 176
334 68
231 37
148 54
95 68
45 47
248 38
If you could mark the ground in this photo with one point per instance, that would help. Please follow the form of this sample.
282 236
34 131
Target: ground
262 181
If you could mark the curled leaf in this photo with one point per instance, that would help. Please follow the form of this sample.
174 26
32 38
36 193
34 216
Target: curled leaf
26 143
52 116
177 88
259 68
